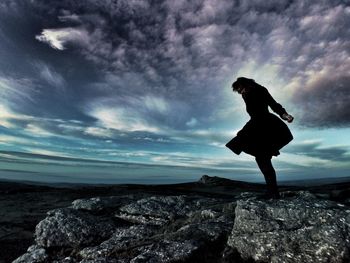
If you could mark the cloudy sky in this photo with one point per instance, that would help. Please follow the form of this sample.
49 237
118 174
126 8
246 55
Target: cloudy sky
140 90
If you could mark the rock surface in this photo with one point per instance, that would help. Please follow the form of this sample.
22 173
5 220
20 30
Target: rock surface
300 227
34 254
98 204
69 228
295 229
154 210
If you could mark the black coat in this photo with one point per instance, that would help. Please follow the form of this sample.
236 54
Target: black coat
265 133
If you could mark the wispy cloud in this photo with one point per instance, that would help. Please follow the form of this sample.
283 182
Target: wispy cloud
316 149
37 131
120 119
9 139
58 38
47 153
7 116
147 113
98 132
16 89
50 76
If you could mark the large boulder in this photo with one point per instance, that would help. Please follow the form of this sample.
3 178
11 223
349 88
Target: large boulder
68 227
185 239
294 229
35 254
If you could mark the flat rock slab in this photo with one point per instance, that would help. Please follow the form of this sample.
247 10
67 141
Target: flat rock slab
299 229
97 204
155 210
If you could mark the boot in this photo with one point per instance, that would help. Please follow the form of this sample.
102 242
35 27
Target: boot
271 184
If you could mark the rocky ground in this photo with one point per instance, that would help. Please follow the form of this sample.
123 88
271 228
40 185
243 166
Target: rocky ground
213 220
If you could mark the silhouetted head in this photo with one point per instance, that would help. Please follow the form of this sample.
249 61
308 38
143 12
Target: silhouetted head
242 84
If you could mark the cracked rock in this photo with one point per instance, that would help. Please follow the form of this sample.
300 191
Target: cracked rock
300 227
297 229
68 227
35 254
121 240
101 203
155 210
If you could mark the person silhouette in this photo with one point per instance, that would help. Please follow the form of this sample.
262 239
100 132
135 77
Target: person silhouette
264 134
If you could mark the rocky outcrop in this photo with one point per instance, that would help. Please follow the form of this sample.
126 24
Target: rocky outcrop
151 229
155 210
70 228
298 228
295 229
35 254
100 204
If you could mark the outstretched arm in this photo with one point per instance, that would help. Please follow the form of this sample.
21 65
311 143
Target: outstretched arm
276 107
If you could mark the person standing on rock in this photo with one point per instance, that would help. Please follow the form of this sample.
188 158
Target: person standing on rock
264 134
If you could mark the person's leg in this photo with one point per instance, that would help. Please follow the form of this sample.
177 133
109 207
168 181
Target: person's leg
265 165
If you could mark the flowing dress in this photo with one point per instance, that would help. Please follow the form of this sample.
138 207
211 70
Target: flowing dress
265 133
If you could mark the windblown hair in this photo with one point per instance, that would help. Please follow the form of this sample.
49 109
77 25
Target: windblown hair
245 82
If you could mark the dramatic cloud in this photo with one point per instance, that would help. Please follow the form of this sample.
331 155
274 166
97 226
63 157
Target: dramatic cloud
155 76
325 102
189 49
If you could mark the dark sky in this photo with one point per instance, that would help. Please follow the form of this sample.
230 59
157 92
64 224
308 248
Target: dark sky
148 83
